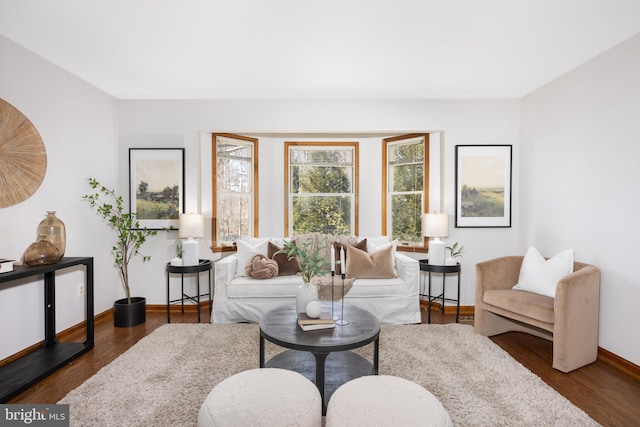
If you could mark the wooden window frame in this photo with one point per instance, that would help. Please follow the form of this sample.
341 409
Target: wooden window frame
214 199
385 195
356 178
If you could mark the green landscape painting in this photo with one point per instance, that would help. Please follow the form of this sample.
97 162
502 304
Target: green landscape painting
482 202
158 189
482 191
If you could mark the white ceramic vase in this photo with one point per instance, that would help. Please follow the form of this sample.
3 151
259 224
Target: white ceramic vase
306 293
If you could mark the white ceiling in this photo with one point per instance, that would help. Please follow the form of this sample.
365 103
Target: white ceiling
293 49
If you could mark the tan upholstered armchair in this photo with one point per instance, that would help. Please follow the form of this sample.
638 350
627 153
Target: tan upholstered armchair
570 320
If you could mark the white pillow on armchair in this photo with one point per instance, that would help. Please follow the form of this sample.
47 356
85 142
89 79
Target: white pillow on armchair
541 276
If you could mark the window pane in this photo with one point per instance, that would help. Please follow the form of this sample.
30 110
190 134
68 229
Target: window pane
233 175
322 186
300 156
234 149
409 177
234 212
321 179
322 214
406 217
407 153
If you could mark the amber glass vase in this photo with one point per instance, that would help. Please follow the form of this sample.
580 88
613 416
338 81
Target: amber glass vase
42 252
54 231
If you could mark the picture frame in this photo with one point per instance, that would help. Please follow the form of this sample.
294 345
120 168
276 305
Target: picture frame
483 178
156 186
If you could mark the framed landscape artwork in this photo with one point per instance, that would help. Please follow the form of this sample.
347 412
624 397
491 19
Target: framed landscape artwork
483 186
156 186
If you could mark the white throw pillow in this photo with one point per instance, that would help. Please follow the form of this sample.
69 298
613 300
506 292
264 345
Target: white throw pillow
376 241
541 276
247 250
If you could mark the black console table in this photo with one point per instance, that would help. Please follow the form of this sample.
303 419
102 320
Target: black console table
24 372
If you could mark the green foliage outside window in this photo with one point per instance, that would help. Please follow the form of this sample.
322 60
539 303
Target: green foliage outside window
321 190
330 215
407 217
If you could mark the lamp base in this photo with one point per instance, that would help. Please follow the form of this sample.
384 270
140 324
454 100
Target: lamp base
436 252
190 252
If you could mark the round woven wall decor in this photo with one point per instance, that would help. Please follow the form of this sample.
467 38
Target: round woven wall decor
23 158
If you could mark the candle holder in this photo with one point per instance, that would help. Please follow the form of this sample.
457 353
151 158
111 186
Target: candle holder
342 321
333 275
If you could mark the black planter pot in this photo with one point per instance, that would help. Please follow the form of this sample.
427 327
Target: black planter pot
126 315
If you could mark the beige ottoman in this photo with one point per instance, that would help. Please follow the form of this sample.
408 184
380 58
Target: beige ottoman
380 400
263 397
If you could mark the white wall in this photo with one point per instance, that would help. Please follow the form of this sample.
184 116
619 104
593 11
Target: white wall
78 125
185 124
579 181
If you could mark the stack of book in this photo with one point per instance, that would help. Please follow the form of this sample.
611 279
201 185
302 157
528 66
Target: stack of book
324 321
6 265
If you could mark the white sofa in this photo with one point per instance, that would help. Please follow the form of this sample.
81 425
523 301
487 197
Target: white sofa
244 299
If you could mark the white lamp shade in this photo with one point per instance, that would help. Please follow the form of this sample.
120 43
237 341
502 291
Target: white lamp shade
435 225
191 225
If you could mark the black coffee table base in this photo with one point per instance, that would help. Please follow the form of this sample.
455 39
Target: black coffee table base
323 356
339 367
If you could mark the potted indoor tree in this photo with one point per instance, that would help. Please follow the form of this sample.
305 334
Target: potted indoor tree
128 311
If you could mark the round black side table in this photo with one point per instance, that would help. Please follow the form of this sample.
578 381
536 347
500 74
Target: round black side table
203 265
322 356
444 269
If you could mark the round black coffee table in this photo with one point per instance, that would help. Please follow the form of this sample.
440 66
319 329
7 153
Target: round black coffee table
323 355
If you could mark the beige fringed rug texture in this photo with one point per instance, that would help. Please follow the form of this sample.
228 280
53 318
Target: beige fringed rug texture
165 377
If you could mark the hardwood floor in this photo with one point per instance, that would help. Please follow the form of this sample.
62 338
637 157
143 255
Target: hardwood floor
609 395
606 393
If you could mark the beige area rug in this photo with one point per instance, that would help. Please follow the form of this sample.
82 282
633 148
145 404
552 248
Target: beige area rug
165 377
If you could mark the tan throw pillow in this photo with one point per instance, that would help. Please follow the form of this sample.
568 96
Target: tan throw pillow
286 267
261 267
362 245
361 265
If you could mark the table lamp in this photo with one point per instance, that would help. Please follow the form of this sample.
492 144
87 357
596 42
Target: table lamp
436 225
190 227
